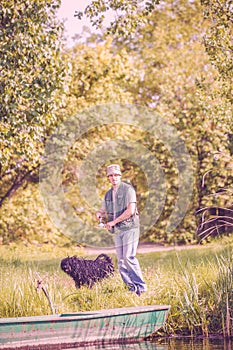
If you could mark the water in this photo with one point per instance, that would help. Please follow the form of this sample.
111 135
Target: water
170 344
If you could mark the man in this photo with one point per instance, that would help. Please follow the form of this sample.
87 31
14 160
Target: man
120 208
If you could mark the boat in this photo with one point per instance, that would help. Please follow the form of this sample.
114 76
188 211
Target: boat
73 330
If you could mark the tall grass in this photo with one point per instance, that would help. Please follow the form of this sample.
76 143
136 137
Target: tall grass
196 282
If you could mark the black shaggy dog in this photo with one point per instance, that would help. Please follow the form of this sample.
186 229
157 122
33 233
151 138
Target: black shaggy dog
87 272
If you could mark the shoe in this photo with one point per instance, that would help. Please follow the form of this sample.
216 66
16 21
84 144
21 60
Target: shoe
135 289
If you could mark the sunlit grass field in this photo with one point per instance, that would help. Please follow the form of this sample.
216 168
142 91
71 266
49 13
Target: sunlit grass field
196 282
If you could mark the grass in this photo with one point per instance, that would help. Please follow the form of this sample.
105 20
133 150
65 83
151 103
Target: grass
196 282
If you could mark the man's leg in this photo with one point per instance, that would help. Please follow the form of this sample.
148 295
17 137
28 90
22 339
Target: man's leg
130 243
126 244
118 239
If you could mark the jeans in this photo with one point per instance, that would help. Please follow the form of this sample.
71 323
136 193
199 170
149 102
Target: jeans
126 243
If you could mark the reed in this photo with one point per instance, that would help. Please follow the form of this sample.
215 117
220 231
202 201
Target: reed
196 282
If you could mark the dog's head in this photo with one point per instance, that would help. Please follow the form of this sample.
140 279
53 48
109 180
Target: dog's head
67 264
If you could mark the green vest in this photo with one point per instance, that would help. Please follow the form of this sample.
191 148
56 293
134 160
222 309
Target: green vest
120 206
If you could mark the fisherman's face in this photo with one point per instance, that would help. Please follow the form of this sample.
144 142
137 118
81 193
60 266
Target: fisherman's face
115 179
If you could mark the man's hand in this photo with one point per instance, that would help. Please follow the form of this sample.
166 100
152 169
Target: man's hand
99 215
110 224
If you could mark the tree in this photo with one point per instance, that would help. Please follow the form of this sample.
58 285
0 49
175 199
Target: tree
218 39
128 15
33 76
158 62
184 87
218 44
178 81
99 74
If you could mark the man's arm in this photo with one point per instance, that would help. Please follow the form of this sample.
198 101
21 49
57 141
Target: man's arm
124 216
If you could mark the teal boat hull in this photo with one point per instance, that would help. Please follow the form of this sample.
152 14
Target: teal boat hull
79 329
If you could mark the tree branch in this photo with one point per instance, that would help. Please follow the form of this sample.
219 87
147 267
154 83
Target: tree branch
20 179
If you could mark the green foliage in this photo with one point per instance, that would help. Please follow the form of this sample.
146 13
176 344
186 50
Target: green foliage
222 288
169 53
25 220
218 44
196 282
218 40
33 75
180 83
128 15
206 300
154 57
99 75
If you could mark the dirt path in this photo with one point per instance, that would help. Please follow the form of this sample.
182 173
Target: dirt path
142 248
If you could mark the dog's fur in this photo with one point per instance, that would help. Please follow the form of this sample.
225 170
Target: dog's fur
87 272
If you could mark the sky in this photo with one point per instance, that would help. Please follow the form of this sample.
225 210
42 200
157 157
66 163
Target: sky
72 24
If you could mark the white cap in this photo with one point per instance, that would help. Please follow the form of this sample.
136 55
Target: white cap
113 169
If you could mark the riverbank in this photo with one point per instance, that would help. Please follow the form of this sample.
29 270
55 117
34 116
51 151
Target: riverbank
195 280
